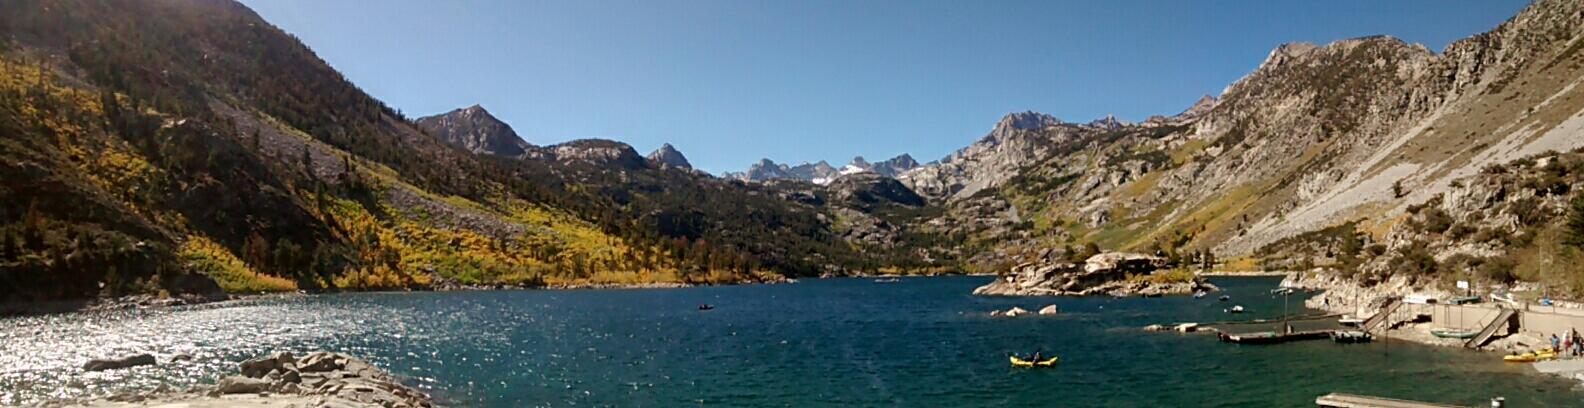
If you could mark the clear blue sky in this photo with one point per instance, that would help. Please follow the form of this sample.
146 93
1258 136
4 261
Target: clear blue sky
731 81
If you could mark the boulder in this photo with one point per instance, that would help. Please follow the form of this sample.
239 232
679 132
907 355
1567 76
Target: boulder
119 362
237 384
259 367
1048 310
321 362
1015 312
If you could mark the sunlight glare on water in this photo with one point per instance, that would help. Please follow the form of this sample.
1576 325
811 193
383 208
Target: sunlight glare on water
924 341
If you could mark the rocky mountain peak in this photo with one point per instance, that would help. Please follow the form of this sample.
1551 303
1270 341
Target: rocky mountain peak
1028 120
1285 53
1109 122
668 155
1200 107
475 129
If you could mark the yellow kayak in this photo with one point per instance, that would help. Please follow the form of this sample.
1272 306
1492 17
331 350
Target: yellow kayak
1530 357
1018 362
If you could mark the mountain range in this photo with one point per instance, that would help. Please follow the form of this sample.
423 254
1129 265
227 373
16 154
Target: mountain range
190 147
822 172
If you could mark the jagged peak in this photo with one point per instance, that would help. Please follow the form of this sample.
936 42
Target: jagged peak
1109 122
1027 120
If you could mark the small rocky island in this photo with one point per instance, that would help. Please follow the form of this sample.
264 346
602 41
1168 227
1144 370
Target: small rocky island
1111 273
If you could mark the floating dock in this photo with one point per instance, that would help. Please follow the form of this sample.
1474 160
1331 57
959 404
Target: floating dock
1338 400
1271 337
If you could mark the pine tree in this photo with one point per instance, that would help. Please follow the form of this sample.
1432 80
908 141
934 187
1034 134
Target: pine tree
1575 223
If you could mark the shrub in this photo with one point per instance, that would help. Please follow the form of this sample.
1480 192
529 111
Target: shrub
234 276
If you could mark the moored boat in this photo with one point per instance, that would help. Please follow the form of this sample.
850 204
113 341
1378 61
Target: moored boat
1453 333
1351 336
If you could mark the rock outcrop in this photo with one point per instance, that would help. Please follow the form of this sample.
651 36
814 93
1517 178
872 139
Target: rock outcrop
319 379
119 362
1114 273
598 152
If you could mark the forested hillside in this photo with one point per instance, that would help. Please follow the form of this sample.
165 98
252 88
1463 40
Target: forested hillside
148 143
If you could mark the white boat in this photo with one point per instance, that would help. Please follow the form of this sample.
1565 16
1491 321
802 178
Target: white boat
1200 294
1350 321
1418 299
1235 309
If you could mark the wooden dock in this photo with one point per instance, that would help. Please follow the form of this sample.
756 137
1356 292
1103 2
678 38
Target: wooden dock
1275 337
1338 400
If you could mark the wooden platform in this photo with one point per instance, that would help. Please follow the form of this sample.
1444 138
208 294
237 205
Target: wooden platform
1274 337
1337 400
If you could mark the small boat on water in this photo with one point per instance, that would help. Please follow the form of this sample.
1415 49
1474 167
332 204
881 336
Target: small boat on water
706 306
1018 362
1453 333
1234 309
1281 291
1351 336
1225 298
887 280
1200 294
1350 321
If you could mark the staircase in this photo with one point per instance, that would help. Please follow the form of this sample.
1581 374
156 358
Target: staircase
1382 316
1505 318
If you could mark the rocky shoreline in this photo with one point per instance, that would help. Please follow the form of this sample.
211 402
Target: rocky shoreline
318 379
1341 295
1118 274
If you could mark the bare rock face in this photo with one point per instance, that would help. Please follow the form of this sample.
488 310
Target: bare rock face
1106 273
667 155
476 130
599 152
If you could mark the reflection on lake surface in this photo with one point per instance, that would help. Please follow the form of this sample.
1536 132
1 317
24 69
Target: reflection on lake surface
923 341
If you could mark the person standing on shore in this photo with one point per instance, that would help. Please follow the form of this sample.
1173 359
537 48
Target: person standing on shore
1556 343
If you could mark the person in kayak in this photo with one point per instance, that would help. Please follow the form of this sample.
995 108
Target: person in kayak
1038 356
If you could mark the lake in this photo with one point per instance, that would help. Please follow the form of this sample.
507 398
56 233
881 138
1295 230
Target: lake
919 342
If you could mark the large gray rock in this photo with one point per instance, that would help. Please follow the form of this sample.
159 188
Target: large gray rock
237 384
259 367
1103 274
119 362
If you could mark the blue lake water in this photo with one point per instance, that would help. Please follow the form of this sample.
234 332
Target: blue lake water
920 342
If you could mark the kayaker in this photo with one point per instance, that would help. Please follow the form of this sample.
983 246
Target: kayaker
1038 357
